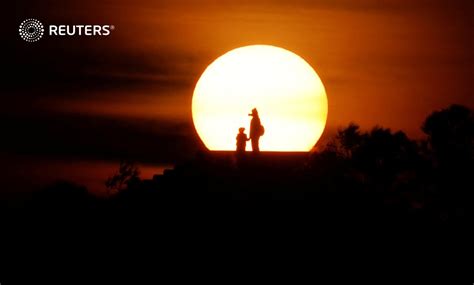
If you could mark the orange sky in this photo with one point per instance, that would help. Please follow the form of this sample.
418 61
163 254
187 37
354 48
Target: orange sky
388 62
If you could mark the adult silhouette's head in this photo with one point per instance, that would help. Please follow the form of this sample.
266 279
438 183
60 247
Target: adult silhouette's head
254 113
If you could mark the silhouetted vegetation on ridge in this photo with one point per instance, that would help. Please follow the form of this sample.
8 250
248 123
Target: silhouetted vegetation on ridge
375 198
376 173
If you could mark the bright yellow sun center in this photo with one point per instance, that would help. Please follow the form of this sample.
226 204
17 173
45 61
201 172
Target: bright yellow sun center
285 89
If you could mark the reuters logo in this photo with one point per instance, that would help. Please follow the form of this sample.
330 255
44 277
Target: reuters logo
31 30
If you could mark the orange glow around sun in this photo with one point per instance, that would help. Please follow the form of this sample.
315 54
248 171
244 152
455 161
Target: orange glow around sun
289 95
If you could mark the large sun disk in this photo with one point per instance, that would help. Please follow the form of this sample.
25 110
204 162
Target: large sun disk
285 89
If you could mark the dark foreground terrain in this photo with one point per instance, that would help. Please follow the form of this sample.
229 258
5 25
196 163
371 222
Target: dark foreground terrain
372 206
222 218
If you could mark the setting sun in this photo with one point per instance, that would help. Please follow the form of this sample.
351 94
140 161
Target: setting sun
287 92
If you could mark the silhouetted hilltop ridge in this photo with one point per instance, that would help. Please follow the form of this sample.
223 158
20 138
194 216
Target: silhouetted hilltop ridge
374 191
375 175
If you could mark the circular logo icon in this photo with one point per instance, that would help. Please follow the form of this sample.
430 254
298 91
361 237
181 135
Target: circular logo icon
31 30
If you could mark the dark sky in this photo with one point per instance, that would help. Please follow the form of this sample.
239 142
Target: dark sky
383 62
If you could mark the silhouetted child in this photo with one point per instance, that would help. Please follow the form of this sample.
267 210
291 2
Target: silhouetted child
241 141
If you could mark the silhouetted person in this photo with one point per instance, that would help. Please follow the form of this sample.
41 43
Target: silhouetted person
241 141
256 130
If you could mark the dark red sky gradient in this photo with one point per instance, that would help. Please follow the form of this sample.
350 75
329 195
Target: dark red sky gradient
383 62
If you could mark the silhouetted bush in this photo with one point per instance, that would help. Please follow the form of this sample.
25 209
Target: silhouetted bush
359 176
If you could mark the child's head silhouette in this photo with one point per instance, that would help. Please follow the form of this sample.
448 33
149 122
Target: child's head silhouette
241 130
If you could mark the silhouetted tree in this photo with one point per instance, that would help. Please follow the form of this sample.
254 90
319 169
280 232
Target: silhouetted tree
382 149
127 174
346 141
379 154
451 143
451 134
